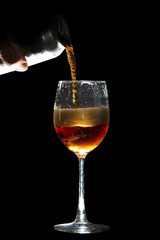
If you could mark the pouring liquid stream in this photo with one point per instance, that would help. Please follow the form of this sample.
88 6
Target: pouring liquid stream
72 63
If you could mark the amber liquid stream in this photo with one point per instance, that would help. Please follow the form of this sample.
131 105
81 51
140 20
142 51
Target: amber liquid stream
72 63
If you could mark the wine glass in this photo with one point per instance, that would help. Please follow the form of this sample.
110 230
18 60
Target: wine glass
81 127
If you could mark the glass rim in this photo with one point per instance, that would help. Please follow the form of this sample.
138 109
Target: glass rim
70 81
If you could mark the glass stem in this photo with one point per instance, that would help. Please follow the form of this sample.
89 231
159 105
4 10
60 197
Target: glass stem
81 213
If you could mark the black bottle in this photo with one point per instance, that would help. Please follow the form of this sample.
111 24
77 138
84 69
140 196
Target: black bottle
40 40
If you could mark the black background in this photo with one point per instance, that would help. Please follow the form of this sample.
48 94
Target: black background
39 176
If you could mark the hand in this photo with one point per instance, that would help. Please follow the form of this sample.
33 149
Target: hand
11 55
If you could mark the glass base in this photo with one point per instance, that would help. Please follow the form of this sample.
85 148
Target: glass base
81 228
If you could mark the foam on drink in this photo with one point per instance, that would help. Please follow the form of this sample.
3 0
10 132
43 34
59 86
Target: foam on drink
86 117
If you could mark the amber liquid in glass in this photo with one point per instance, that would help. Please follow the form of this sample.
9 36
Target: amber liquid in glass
81 130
